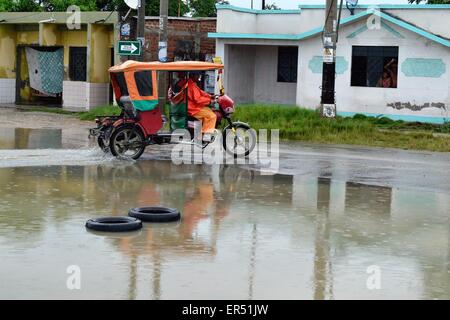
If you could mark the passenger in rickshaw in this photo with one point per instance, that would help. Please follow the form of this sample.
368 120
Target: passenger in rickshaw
198 102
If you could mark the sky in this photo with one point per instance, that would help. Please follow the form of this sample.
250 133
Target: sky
293 4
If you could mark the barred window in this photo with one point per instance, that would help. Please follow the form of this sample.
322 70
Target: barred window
287 64
374 66
77 63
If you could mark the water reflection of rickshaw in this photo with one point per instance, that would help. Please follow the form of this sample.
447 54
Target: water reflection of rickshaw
160 242
141 122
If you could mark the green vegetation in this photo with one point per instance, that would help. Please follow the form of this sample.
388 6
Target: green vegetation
306 125
198 8
107 110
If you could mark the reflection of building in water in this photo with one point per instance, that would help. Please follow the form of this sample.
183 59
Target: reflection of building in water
7 138
23 138
329 228
38 138
368 199
323 276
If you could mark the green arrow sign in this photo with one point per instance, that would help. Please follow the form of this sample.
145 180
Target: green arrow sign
127 48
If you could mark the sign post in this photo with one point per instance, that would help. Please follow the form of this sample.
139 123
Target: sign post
129 48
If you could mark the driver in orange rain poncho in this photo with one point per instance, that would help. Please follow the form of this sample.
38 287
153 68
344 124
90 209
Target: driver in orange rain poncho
198 102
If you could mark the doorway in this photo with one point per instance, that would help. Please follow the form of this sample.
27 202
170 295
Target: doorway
39 76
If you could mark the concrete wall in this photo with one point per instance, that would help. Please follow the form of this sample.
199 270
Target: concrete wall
432 20
251 75
22 28
74 95
267 89
72 38
416 95
233 21
240 70
424 65
269 23
99 53
7 51
7 91
230 21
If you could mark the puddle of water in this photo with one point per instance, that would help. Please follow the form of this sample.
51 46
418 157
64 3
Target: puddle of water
242 235
22 138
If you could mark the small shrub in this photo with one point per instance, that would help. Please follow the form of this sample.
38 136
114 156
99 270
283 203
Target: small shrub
359 116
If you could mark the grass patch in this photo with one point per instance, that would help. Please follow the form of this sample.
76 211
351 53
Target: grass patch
306 125
107 110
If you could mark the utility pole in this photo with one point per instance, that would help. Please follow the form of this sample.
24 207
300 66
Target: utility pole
141 27
162 54
327 102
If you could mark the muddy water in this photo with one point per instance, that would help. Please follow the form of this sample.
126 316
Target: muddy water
242 236
336 223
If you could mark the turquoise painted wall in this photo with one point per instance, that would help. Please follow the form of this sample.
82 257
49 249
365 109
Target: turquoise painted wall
421 67
316 64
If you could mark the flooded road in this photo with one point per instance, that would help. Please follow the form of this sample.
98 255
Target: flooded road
335 223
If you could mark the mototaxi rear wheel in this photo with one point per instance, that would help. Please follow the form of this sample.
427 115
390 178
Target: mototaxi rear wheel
127 141
103 144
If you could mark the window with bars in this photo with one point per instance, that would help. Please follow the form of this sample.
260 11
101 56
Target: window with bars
77 63
374 66
287 64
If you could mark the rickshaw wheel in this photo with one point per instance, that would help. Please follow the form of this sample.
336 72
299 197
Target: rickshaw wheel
241 142
128 142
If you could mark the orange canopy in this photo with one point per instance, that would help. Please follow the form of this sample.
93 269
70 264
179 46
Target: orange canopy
166 66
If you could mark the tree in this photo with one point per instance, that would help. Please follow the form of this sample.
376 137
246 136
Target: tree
45 5
152 7
430 1
272 6
62 5
20 5
205 8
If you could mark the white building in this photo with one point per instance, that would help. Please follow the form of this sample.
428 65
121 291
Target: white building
275 56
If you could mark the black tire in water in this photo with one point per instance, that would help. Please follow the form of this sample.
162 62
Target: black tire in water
114 224
241 142
127 141
155 214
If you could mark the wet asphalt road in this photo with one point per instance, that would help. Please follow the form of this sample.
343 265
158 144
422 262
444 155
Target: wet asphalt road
371 165
312 231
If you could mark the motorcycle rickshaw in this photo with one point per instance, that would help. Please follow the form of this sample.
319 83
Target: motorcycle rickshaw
141 121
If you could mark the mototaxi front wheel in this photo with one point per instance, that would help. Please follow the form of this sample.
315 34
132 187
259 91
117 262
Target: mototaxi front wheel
239 139
127 141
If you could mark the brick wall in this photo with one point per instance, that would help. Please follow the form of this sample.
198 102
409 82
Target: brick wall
191 32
